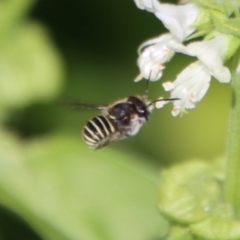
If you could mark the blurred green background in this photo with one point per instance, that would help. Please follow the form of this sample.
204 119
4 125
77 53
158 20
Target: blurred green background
78 50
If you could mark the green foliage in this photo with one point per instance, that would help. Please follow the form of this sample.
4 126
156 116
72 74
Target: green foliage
57 185
225 25
191 198
65 191
180 233
30 68
225 6
187 190
221 225
219 17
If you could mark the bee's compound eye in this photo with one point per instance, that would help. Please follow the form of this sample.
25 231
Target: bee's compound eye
141 111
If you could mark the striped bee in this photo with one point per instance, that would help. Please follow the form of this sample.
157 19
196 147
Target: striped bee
118 120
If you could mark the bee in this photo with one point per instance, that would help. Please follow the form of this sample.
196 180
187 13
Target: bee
118 120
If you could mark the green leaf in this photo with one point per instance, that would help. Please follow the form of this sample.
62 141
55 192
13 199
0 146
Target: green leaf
31 69
180 233
203 24
225 25
188 192
12 13
66 191
221 225
223 6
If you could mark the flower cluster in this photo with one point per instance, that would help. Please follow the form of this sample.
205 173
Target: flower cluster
186 22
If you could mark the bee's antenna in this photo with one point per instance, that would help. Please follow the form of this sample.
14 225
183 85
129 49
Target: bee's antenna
147 87
163 99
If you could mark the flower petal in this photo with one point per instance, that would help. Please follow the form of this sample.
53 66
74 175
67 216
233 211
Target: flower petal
144 5
178 19
210 54
153 55
190 86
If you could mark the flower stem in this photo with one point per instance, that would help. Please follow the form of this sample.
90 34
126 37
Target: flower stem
232 183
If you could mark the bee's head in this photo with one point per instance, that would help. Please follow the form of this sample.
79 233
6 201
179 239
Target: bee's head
131 108
140 107
129 115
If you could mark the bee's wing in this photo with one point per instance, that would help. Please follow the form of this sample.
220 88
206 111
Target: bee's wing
84 106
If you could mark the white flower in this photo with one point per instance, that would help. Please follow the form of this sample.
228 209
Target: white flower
193 82
190 86
153 54
210 53
178 19
144 4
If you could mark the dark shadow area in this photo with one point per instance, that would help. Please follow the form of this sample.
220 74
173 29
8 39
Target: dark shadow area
35 120
12 227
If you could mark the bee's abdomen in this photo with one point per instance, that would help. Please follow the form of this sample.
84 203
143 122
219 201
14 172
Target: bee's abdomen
97 131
